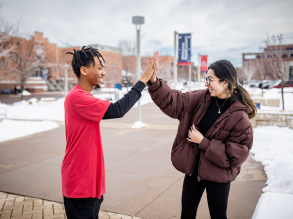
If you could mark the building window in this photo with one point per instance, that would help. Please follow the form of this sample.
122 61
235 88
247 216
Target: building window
291 73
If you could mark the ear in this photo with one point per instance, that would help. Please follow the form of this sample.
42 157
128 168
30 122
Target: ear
82 70
225 84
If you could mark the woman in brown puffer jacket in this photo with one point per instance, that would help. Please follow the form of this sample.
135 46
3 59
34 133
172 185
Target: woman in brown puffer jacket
214 135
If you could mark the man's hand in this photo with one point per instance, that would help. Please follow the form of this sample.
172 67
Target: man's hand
194 135
146 75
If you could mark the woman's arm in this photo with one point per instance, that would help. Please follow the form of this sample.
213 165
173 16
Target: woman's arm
172 102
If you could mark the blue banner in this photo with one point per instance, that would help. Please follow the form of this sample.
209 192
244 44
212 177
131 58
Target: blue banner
184 51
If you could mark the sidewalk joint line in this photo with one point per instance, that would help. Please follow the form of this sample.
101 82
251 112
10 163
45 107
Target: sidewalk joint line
158 196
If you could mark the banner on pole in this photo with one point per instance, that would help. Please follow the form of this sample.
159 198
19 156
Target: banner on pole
184 51
204 63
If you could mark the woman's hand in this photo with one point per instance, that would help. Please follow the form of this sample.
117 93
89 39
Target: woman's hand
194 135
148 72
153 78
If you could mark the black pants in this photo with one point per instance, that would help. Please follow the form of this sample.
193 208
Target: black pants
217 195
82 208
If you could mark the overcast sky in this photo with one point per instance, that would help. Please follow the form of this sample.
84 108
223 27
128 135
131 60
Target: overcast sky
222 29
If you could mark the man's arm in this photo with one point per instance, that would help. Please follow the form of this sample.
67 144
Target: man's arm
122 106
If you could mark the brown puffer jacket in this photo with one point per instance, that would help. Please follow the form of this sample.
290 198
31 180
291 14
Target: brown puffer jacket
225 146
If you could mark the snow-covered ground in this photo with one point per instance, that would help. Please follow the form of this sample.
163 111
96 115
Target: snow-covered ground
11 129
273 147
52 109
274 205
274 93
36 110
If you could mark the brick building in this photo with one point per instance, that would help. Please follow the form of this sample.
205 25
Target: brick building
50 76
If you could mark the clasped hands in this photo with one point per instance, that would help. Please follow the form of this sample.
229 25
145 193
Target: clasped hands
194 135
150 73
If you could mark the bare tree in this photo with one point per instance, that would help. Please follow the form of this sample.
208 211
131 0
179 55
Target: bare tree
7 30
260 68
128 53
277 59
62 66
23 62
248 70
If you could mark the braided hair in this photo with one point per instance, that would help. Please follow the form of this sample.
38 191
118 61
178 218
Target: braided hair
84 57
225 71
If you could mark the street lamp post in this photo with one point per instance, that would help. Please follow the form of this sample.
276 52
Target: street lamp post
65 79
175 61
138 20
198 70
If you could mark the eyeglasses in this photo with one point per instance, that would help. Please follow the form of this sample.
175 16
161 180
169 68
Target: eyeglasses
208 80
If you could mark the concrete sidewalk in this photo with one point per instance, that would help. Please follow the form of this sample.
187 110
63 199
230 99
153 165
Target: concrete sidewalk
141 180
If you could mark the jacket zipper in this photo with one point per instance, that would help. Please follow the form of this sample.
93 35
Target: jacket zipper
198 177
197 152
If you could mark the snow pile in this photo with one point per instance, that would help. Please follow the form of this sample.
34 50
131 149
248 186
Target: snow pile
273 147
25 93
274 205
48 99
36 110
138 125
10 129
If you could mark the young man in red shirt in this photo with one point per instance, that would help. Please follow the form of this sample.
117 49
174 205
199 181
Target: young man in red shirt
83 168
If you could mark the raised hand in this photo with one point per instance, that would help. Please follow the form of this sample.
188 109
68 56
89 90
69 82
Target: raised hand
153 78
148 72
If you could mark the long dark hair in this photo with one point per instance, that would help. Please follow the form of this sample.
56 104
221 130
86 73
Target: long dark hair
225 71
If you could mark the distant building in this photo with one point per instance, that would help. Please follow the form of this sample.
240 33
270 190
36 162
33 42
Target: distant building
251 58
51 75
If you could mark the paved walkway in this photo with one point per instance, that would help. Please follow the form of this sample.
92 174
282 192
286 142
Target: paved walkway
141 180
18 207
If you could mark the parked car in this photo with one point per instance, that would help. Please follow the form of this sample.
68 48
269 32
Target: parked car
254 83
268 84
287 84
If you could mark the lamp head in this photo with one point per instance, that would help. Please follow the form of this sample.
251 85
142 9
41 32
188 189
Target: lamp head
137 20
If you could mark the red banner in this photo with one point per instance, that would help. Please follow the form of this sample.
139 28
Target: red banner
203 63
184 63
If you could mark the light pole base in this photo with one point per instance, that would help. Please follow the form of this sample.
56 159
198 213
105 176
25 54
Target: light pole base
138 125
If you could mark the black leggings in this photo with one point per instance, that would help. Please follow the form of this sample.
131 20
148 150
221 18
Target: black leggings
217 195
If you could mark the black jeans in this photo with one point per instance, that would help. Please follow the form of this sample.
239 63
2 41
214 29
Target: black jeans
217 195
82 208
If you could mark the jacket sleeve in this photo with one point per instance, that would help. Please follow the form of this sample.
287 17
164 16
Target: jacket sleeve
234 151
172 102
